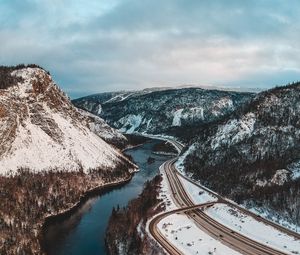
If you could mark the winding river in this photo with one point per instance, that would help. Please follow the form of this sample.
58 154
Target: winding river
84 231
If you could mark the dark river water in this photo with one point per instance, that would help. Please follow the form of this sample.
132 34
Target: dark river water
83 233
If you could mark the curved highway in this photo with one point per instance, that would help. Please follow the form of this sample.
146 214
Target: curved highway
235 240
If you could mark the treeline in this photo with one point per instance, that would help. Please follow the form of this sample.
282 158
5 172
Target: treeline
163 146
27 198
235 178
126 226
136 139
284 199
6 80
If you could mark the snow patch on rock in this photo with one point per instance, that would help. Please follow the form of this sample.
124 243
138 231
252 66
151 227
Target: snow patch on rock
99 109
197 112
187 114
261 183
130 123
280 177
37 151
234 131
221 104
101 128
180 161
177 118
295 170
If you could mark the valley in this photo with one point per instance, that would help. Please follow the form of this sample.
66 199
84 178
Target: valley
230 139
149 127
248 152
212 163
188 207
76 234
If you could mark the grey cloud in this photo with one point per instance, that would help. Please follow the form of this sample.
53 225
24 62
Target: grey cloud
110 45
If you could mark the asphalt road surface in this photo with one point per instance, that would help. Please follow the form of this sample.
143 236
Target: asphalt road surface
227 236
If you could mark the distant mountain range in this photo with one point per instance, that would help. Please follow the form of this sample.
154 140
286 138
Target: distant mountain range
162 110
243 145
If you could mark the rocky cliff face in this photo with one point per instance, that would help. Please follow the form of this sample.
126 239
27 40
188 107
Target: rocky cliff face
41 130
51 154
254 155
161 111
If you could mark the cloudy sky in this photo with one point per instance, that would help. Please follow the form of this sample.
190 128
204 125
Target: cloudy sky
105 45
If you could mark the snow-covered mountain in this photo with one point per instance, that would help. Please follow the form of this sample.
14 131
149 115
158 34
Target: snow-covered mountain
41 130
52 155
254 154
162 110
102 129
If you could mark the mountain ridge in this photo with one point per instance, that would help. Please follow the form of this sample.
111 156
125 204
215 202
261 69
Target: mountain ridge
253 156
160 111
51 156
39 122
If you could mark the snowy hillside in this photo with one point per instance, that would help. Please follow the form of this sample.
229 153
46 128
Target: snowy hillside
254 155
41 130
162 111
102 129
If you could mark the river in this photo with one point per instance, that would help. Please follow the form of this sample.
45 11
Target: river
83 233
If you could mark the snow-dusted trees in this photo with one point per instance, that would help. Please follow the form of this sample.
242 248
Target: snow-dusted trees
27 198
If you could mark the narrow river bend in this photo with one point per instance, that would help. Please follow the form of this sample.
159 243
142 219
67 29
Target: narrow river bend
84 231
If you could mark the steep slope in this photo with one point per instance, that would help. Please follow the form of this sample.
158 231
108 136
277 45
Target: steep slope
93 103
41 130
162 111
254 155
51 155
98 126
